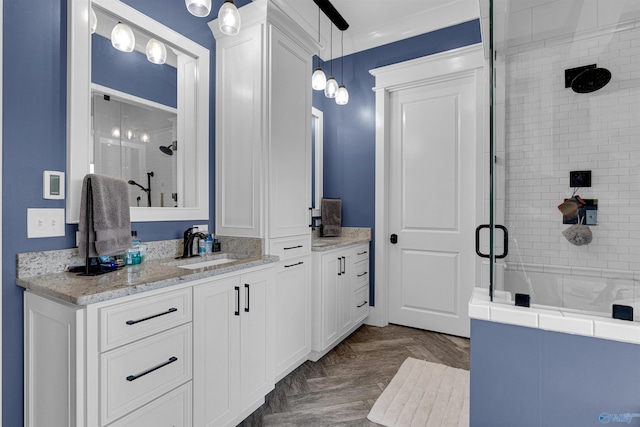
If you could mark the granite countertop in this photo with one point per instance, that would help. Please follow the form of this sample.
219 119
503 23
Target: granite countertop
150 275
349 237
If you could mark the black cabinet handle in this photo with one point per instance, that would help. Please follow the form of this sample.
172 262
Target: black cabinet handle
360 275
362 304
344 264
362 253
133 322
293 265
237 312
148 371
293 247
247 298
340 266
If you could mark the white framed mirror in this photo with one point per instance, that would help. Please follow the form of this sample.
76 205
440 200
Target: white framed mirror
317 127
167 183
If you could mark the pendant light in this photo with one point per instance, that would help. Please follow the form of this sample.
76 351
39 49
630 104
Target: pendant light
229 18
332 86
156 51
93 20
342 96
318 79
199 8
122 37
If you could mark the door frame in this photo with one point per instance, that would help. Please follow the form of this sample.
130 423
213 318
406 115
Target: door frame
416 72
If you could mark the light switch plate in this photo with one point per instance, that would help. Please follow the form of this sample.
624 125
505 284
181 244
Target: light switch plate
202 228
45 223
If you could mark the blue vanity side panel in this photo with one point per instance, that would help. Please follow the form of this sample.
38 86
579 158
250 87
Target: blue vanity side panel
531 377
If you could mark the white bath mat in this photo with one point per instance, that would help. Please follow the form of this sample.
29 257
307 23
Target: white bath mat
424 394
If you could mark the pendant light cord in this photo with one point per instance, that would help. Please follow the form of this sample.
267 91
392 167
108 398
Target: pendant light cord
319 41
331 50
342 57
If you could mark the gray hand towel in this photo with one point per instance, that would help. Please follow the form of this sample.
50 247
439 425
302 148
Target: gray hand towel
331 212
109 225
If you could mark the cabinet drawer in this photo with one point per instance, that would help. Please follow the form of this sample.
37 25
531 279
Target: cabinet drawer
123 323
171 410
133 375
361 253
360 274
360 304
290 247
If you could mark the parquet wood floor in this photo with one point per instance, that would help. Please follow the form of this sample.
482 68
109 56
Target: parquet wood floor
341 388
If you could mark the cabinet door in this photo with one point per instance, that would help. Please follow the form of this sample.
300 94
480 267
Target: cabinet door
256 370
290 138
331 283
216 328
344 294
292 314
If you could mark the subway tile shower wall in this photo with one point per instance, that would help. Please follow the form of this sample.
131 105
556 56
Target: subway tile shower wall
551 130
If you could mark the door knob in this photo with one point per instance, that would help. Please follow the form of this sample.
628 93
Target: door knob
394 239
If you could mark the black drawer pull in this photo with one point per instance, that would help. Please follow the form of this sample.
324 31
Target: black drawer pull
360 275
247 298
155 368
362 304
293 265
293 247
237 312
362 253
133 322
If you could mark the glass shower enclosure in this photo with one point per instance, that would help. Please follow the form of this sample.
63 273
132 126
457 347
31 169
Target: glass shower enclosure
563 199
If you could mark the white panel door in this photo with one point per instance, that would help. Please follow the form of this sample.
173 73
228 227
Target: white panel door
432 205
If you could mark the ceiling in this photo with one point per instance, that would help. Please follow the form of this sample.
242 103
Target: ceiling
377 22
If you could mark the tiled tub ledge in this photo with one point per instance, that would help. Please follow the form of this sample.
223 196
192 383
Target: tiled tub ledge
548 318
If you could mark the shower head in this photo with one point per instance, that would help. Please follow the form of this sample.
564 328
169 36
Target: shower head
587 79
168 150
132 182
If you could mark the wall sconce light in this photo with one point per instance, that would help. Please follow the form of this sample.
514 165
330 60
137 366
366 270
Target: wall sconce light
115 131
331 88
122 37
93 20
156 51
130 134
318 78
145 137
199 8
229 18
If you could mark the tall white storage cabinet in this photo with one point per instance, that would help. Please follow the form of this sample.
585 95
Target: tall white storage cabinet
263 159
263 126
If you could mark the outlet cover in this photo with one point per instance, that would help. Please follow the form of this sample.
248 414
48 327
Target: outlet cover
45 223
203 228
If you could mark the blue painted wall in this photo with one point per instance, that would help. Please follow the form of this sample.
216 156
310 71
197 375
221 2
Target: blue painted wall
530 377
34 140
349 130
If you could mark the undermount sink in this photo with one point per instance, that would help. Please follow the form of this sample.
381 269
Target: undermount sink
209 263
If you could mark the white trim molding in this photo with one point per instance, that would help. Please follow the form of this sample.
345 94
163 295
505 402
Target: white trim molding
388 79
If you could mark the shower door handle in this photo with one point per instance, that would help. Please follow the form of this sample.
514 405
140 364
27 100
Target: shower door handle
505 241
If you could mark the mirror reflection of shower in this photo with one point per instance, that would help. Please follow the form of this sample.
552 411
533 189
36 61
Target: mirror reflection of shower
132 137
168 150
146 190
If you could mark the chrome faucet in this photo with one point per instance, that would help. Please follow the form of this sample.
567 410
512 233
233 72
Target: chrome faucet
187 243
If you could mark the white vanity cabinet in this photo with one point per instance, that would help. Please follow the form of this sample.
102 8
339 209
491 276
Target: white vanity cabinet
263 131
340 295
93 365
292 305
233 347
197 353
